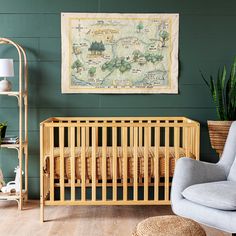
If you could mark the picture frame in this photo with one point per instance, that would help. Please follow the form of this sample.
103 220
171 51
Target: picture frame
119 53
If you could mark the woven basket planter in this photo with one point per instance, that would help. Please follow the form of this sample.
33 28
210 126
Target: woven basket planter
218 132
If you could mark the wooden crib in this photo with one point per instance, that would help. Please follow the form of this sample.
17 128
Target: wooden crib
112 161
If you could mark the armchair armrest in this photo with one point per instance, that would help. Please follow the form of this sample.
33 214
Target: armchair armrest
189 172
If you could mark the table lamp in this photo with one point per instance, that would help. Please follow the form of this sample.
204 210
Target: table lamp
6 70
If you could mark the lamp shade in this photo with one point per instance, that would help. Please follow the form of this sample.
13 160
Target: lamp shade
6 68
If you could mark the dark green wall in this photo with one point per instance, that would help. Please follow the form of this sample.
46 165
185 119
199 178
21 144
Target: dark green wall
207 39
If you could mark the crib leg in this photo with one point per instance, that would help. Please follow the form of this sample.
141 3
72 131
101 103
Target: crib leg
20 203
41 210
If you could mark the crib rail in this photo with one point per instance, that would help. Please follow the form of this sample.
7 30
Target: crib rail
112 161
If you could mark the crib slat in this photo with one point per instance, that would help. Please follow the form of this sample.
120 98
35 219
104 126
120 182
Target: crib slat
87 134
150 134
167 163
156 162
69 133
192 140
72 161
193 134
94 163
176 141
125 169
135 163
104 163
131 135
187 141
140 133
83 166
114 163
146 145
197 141
78 135
184 134
51 141
62 166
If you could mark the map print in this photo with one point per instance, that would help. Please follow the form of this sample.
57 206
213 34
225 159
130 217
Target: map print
119 53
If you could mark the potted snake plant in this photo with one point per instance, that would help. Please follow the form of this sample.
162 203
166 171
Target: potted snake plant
223 92
3 128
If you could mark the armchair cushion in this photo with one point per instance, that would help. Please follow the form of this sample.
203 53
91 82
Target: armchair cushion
219 195
232 172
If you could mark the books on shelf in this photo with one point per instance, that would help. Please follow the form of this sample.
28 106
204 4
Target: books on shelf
10 139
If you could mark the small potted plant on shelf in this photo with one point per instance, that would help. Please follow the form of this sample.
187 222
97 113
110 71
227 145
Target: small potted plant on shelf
3 128
2 183
223 91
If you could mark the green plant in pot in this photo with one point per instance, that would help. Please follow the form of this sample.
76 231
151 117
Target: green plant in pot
223 92
3 128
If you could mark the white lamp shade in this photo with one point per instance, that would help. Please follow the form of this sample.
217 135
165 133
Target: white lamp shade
6 68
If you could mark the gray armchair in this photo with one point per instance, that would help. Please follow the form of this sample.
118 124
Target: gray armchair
206 192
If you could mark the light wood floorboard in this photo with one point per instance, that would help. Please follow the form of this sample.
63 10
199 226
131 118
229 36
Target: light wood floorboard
78 220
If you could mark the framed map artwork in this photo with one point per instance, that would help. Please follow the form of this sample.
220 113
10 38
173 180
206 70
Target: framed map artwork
119 53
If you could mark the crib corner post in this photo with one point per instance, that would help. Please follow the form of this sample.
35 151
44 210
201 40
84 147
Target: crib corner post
41 174
198 142
41 209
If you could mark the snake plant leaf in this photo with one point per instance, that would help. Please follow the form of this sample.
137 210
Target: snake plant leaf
213 89
223 92
233 98
214 93
233 72
223 77
220 92
232 91
227 97
205 80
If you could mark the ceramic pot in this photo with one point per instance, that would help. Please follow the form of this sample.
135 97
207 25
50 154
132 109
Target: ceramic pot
5 85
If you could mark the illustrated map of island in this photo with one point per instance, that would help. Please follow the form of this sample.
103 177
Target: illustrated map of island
120 53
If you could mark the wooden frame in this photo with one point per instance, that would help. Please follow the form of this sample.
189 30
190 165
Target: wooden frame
22 147
128 156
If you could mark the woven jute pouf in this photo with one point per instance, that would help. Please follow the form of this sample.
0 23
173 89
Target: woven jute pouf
168 226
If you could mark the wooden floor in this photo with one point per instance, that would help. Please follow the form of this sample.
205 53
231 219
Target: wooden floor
78 220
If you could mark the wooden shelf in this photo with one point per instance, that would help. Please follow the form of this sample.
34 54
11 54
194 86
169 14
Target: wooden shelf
11 93
14 146
10 197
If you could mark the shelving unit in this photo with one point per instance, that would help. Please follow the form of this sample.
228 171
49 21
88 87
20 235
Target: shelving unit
22 147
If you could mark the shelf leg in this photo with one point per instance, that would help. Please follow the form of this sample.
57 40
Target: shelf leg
26 173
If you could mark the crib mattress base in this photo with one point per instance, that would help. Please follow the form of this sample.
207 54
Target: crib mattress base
172 153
